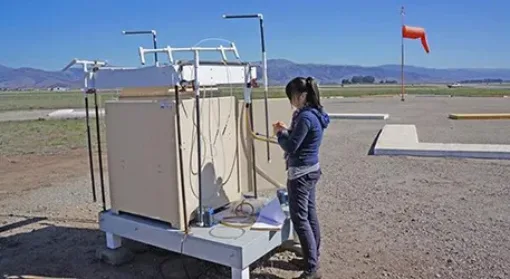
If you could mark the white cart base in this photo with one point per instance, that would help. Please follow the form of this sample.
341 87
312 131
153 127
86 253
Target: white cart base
232 247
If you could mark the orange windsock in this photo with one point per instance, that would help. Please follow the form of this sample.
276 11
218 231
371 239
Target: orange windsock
410 32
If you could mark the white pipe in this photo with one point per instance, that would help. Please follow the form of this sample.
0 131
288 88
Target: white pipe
85 63
168 50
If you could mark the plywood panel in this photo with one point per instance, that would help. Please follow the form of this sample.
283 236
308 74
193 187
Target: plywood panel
141 159
220 159
143 156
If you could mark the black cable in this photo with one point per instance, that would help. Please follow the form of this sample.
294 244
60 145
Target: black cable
93 90
89 145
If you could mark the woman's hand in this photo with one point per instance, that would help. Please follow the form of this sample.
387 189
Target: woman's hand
278 127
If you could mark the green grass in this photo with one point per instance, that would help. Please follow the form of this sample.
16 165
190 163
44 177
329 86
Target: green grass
46 136
60 136
56 100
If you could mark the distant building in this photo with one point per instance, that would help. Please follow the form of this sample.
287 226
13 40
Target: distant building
58 88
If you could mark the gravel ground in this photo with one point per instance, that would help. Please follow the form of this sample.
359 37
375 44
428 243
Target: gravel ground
381 217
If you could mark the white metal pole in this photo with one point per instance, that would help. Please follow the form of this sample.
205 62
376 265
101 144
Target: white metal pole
266 90
200 222
402 98
154 40
264 69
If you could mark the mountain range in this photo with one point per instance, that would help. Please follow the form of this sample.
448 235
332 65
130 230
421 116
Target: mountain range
280 71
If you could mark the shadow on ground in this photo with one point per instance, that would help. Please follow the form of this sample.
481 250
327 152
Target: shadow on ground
53 251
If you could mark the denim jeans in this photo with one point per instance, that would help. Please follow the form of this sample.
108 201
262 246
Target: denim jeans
303 214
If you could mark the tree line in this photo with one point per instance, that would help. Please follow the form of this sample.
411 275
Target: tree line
366 80
486 80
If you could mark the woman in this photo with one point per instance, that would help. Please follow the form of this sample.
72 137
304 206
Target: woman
301 143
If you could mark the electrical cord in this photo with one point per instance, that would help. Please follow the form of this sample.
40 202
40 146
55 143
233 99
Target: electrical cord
228 221
249 218
212 143
212 151
243 143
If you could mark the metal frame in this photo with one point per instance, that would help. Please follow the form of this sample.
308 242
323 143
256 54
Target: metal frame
169 51
154 40
207 243
264 68
196 86
88 65
235 248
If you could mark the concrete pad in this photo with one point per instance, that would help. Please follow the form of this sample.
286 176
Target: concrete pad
397 135
479 116
432 95
379 96
60 112
24 115
73 113
362 116
114 256
403 140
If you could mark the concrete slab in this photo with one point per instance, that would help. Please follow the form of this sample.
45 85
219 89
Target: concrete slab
360 116
397 135
73 113
380 96
24 115
478 116
431 95
403 140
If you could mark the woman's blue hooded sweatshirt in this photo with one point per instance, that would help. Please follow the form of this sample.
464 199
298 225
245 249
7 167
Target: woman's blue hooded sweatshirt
301 142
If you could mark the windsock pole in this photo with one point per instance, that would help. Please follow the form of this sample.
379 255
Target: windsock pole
402 55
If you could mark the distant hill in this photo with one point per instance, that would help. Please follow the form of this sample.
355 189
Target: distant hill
280 71
35 78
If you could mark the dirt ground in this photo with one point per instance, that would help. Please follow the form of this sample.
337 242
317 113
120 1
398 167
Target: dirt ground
381 217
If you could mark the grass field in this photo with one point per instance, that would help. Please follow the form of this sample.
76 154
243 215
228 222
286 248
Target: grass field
45 137
47 100
54 100
58 136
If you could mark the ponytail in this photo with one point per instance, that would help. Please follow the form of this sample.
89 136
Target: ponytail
300 85
313 95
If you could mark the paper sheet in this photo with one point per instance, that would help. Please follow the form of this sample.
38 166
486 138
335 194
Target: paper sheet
271 217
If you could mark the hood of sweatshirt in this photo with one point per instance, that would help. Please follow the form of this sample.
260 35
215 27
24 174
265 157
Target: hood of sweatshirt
322 115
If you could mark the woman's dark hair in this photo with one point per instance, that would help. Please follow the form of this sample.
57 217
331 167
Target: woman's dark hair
300 85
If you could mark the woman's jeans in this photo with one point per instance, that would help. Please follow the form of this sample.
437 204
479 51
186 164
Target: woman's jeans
303 214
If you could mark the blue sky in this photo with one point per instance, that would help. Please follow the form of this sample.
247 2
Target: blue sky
48 34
